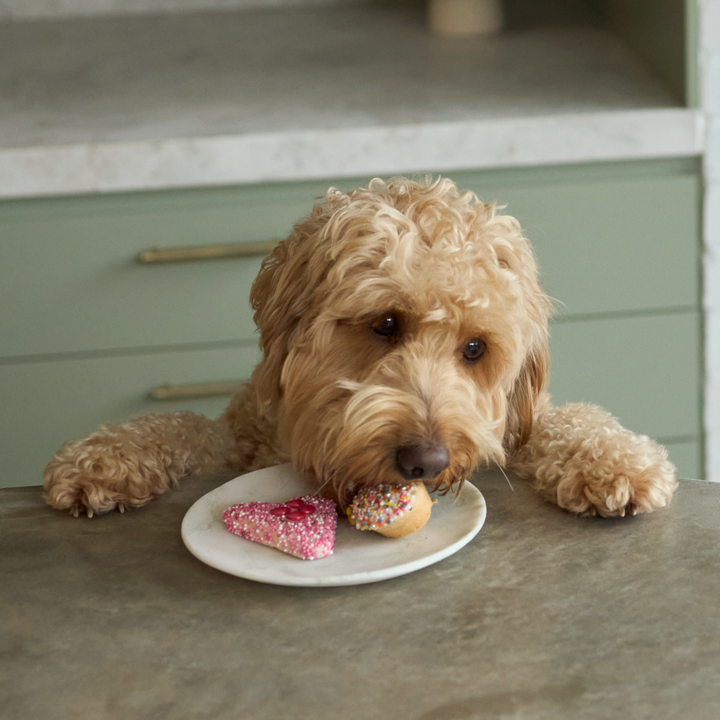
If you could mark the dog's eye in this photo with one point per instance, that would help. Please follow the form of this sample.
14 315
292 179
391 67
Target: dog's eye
474 350
386 325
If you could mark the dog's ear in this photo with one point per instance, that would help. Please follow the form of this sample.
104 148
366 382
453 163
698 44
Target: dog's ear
523 397
282 293
514 253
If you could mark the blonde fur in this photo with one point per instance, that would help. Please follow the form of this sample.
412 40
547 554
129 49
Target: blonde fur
340 397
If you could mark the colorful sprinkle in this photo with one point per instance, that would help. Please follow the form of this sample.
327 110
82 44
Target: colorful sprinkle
304 527
377 507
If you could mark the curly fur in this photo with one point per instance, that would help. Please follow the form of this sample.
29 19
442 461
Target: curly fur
585 461
340 398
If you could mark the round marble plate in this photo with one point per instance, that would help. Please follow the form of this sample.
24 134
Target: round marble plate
359 557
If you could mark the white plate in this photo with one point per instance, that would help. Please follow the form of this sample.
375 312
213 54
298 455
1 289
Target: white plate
359 557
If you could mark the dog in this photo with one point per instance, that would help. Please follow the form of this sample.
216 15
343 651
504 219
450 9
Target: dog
404 337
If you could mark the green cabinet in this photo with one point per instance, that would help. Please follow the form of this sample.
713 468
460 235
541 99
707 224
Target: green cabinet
86 332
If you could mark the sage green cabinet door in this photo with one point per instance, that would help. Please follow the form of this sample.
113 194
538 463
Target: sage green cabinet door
604 243
644 370
45 404
68 268
626 366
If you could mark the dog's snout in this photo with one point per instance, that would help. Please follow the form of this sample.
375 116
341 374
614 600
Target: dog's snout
422 462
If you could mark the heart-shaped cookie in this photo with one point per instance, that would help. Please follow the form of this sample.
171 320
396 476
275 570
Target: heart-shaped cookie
304 526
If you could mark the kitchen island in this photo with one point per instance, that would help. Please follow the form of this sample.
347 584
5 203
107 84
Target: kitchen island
542 615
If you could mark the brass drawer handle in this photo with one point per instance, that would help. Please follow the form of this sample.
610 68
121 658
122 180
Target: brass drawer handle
193 253
194 390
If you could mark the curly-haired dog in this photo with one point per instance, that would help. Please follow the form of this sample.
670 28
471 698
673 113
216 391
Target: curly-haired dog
404 335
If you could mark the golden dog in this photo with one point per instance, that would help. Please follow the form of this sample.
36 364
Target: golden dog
404 336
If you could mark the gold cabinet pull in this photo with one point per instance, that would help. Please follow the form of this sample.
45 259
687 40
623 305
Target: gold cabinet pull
192 391
193 253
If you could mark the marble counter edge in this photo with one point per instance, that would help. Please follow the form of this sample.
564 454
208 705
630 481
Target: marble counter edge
313 154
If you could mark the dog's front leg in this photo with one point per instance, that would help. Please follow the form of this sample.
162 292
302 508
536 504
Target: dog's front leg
581 458
127 465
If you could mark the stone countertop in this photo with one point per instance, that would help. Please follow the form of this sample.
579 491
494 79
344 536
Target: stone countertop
543 615
132 103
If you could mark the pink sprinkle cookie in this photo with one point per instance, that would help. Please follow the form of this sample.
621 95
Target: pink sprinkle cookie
303 527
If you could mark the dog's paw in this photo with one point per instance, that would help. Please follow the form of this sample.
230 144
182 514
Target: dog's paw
100 474
127 465
583 459
627 475
619 494
80 497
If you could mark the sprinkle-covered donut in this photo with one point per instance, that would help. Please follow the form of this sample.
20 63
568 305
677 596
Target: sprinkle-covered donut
391 510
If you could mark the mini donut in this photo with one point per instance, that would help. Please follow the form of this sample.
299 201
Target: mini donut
391 510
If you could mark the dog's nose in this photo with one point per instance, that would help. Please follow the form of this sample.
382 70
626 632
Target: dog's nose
422 462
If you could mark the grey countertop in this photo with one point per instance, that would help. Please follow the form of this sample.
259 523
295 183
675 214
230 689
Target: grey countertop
543 615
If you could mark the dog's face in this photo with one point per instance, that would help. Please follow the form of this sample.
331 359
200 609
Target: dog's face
404 336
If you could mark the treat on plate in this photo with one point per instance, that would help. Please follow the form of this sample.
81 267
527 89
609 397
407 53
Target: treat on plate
391 510
304 526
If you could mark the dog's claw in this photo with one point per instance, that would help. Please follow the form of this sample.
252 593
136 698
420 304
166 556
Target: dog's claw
90 512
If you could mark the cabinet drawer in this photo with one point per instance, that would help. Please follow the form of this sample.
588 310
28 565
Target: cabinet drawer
629 366
605 242
46 403
68 267
644 370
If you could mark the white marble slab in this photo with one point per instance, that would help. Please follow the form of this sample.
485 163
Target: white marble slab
168 101
99 167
